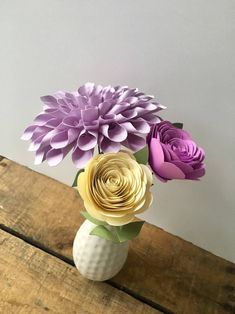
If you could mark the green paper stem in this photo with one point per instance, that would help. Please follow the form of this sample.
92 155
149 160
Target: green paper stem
76 178
92 219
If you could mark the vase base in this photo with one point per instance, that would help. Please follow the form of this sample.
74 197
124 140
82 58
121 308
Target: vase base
96 258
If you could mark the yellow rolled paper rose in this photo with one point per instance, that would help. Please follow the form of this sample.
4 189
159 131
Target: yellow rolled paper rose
115 187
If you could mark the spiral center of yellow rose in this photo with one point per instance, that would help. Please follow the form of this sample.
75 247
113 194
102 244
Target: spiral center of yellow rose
117 184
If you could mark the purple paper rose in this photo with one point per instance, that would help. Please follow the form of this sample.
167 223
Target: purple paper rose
173 154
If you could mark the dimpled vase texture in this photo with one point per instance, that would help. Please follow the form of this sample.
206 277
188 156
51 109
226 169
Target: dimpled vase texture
96 258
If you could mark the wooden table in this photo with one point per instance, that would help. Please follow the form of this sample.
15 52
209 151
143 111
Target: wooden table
163 273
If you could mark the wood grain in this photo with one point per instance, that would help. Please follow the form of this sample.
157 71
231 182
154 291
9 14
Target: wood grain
32 281
162 269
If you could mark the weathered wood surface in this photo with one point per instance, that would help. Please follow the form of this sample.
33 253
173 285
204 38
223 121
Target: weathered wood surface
161 268
32 281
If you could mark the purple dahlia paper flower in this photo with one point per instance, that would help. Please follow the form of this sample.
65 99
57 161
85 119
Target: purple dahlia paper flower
93 115
173 154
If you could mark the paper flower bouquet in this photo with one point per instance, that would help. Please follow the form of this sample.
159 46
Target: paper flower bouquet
115 183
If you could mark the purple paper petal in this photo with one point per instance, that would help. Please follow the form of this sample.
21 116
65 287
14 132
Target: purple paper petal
128 114
41 141
134 142
80 157
86 89
137 126
43 118
90 114
107 119
64 138
87 140
104 107
117 133
156 152
116 109
28 132
53 123
40 155
54 156
82 102
40 130
94 101
114 132
194 175
170 171
183 166
71 121
91 126
131 100
108 146
50 101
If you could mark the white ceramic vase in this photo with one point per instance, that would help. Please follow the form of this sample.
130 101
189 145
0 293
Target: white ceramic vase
96 258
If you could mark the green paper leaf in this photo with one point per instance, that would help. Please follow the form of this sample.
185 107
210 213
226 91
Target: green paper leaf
92 219
129 231
178 125
76 178
142 156
102 232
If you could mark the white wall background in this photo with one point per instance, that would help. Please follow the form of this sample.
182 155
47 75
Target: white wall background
182 51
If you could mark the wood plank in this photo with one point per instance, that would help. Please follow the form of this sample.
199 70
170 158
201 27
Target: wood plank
32 281
161 268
